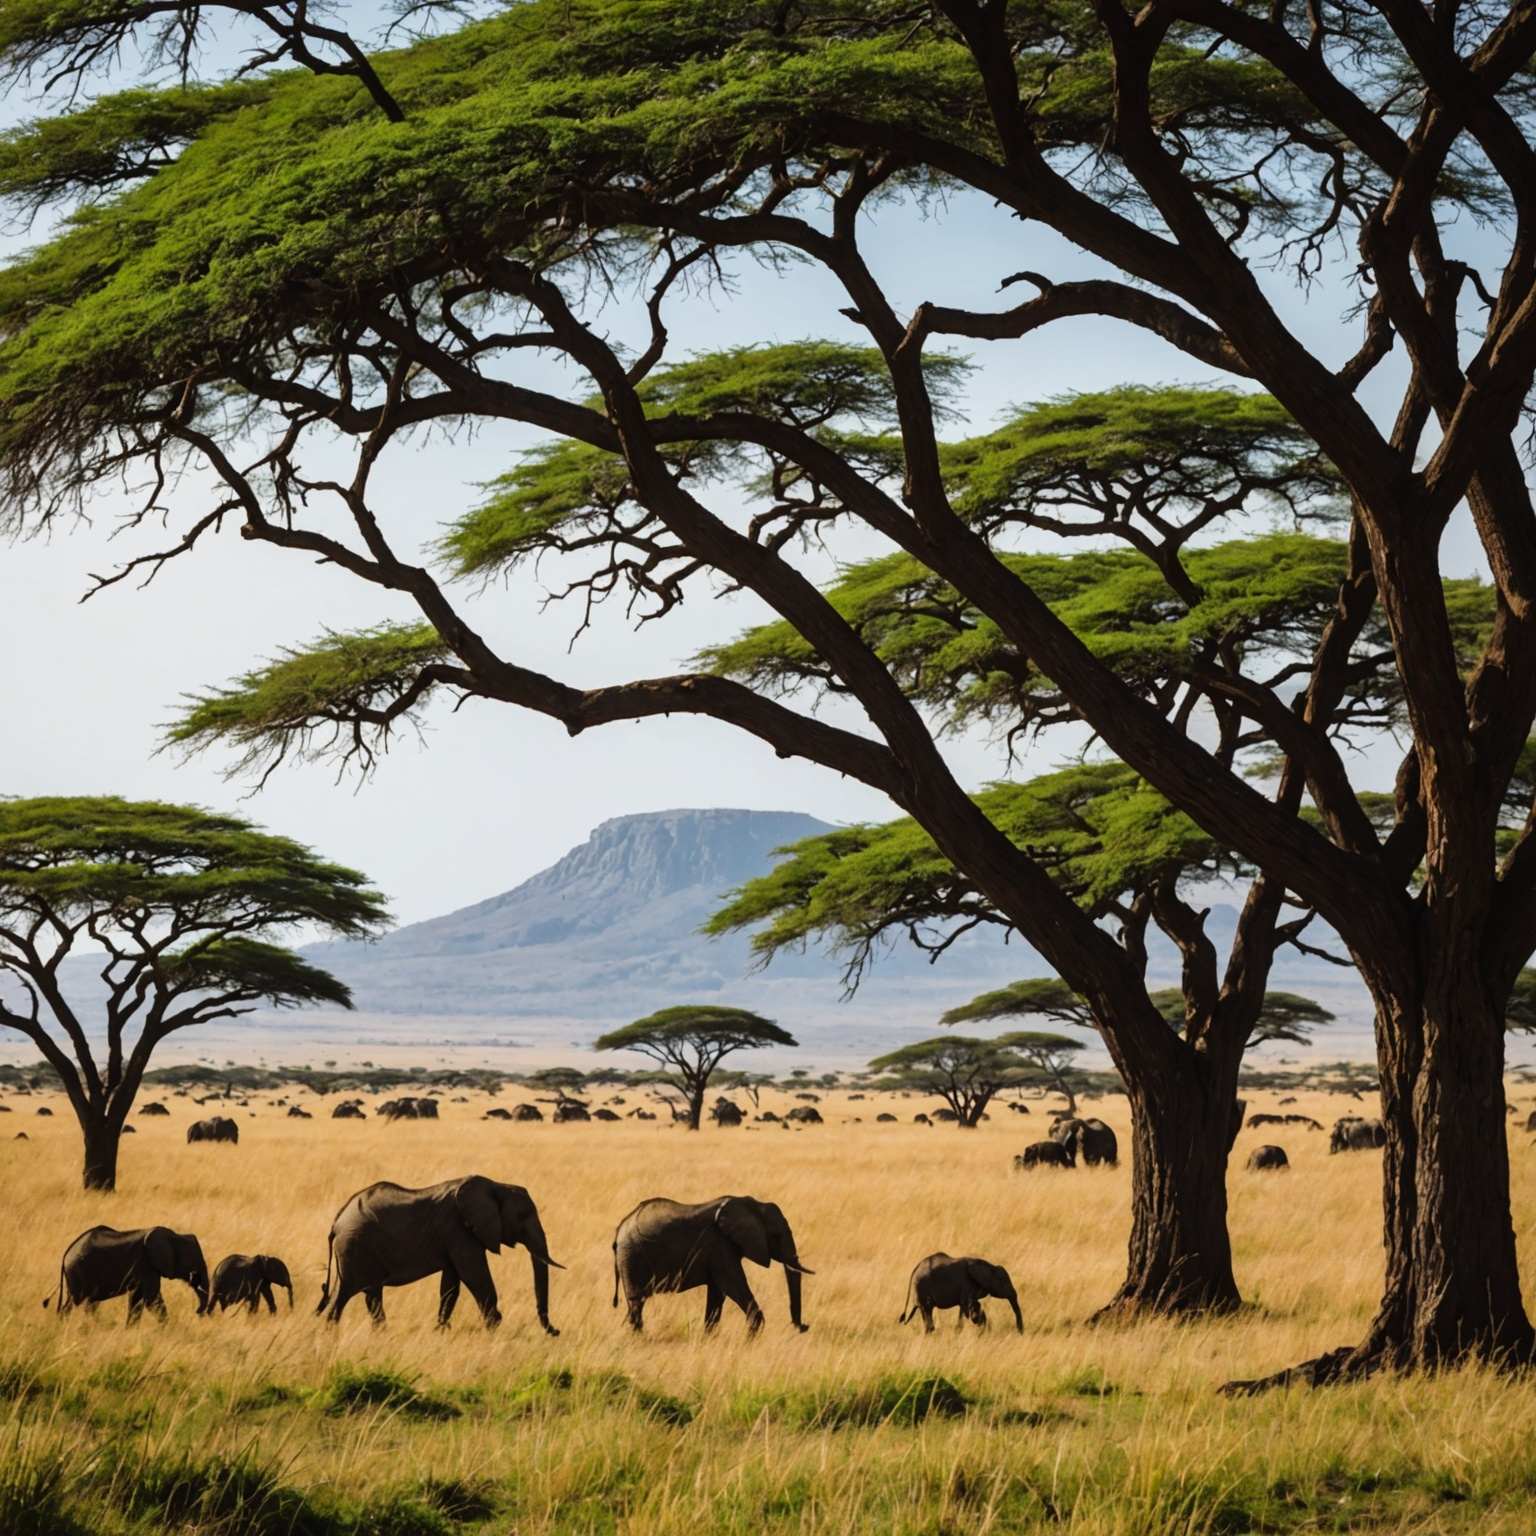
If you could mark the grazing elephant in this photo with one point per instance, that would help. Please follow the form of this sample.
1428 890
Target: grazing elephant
1267 1157
885 1119
527 1112
940 1281
218 1128
348 1112
498 1113
569 1110
1088 1141
249 1278
389 1235
1306 1120
102 1263
725 1112
1044 1154
604 1114
1354 1134
153 1109
298 1112
921 1120
665 1246
804 1114
409 1109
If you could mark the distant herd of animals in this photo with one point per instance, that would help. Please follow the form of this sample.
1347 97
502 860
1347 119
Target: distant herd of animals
387 1235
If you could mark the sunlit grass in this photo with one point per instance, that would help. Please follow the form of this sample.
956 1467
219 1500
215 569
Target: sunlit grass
265 1425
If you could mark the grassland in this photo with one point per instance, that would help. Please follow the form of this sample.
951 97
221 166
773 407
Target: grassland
253 1427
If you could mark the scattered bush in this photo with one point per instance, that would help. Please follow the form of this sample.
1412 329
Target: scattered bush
352 1390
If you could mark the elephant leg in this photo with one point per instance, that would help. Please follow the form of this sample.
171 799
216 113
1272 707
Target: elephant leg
266 1296
733 1282
714 1304
634 1305
135 1308
156 1305
927 1312
375 1303
475 1272
447 1295
344 1294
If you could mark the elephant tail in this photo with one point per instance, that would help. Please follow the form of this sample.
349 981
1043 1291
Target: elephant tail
58 1300
908 1310
325 1290
615 1274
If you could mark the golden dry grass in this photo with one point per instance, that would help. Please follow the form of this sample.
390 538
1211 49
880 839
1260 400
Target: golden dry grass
1069 1427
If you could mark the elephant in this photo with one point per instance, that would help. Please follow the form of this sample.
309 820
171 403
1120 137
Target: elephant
769 1118
348 1112
1045 1154
249 1278
389 1235
527 1112
885 1118
498 1113
1267 1157
604 1114
102 1263
1354 1134
663 1246
940 1281
45 1111
1306 1120
298 1112
154 1109
804 1114
1089 1141
568 1110
218 1128
725 1112
921 1120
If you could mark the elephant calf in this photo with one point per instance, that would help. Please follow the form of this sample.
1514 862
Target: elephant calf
102 1263
940 1281
1044 1154
1267 1158
665 1246
249 1278
389 1235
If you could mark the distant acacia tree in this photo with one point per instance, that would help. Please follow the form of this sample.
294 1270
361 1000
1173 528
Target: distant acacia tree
966 1073
690 1041
181 902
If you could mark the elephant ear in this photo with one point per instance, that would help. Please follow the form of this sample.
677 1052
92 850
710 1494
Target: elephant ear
740 1221
983 1275
478 1210
160 1251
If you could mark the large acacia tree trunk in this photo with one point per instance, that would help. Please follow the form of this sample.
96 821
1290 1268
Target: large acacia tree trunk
1180 1256
102 1135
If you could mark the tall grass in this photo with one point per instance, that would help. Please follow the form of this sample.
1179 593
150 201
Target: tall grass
255 1426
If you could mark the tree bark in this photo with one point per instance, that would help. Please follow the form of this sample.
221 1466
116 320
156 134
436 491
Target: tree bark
102 1136
1180 1256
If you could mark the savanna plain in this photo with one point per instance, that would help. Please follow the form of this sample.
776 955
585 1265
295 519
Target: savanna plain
258 1426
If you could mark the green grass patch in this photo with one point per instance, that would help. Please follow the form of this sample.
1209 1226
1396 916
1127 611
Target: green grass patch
20 1381
1088 1382
351 1389
34 1485
903 1400
271 1394
235 1496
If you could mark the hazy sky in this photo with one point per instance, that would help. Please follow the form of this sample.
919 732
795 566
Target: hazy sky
494 794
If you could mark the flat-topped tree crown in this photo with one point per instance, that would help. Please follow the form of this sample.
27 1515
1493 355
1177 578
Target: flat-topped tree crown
690 1040
185 905
967 1073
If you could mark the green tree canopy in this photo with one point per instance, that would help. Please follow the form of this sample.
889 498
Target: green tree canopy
690 1040
184 906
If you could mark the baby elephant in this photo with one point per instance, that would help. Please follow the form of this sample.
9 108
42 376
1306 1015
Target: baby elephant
940 1281
249 1278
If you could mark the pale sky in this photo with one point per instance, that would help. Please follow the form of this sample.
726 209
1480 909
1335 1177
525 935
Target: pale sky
495 794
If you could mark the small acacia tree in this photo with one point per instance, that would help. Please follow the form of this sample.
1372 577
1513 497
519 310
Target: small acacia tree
966 1073
182 904
690 1041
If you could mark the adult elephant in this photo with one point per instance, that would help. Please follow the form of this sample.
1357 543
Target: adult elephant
1268 1158
1089 1141
1354 1134
216 1128
102 1263
249 1278
663 1246
1044 1154
939 1282
388 1235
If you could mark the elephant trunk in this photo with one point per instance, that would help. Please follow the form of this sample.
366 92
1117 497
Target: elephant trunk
1018 1317
792 1285
538 1254
288 1286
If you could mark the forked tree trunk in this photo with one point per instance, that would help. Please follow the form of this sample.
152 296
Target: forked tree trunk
1180 1258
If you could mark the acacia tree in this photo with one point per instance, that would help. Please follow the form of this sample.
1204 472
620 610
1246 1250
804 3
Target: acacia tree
966 1073
690 1041
488 190
180 904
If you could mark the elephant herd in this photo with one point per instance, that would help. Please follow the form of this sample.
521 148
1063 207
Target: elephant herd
387 1235
1071 1141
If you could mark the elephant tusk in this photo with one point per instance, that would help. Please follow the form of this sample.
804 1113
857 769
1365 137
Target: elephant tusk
545 1259
798 1269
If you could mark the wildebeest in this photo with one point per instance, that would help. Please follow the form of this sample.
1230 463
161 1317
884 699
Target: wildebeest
217 1128
1352 1133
